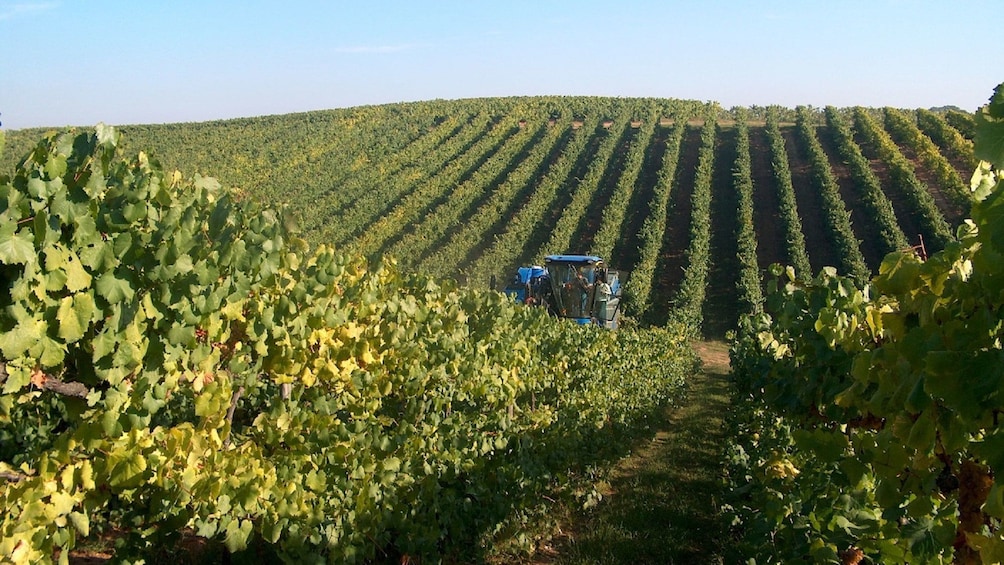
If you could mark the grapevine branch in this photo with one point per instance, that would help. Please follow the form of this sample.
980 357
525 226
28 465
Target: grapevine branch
230 412
51 383
67 389
12 477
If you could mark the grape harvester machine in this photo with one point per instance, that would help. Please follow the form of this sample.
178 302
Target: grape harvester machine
577 287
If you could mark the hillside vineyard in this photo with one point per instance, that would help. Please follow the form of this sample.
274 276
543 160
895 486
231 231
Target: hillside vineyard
695 201
278 358
174 361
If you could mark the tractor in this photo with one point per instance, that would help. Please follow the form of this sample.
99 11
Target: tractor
577 287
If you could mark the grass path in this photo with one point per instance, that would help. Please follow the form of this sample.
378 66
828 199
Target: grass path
661 503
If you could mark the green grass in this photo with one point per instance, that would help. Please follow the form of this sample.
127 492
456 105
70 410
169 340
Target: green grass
661 504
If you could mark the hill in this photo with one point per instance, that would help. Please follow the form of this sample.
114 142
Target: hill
682 194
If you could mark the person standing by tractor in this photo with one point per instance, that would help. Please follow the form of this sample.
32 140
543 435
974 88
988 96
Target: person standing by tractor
601 297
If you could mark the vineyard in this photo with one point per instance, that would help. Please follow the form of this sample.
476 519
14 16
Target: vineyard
297 357
470 189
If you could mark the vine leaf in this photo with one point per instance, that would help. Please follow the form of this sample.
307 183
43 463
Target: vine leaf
16 341
77 278
989 140
74 316
15 248
114 289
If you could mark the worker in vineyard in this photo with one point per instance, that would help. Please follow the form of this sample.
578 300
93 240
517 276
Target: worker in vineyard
602 296
584 287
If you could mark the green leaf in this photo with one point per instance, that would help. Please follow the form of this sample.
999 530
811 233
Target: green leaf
184 264
16 248
134 211
123 243
994 505
70 328
55 166
104 343
114 289
106 135
36 188
993 550
275 532
51 352
85 230
208 402
181 335
86 475
81 523
74 316
991 449
126 468
237 535
887 493
23 337
392 464
206 528
988 143
17 378
983 181
316 481
918 400
62 503
77 278
920 536
828 446
98 256
922 434
898 273
961 380
841 522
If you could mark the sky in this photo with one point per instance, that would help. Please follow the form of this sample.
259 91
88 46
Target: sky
80 62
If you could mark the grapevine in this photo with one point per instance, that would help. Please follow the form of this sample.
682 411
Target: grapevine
872 410
639 287
836 215
937 232
197 368
948 138
797 254
748 283
881 209
613 216
947 178
443 259
690 297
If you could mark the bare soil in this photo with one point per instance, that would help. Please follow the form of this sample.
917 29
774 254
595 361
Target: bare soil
721 304
952 213
865 227
672 257
590 224
810 205
626 250
907 221
771 244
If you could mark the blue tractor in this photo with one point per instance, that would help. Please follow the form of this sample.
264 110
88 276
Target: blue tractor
578 287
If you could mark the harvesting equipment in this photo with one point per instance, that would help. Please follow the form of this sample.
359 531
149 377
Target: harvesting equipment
578 287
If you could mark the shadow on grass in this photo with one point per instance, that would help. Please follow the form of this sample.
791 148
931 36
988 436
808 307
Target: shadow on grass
661 504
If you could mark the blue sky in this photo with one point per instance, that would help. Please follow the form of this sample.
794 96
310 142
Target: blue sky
66 62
